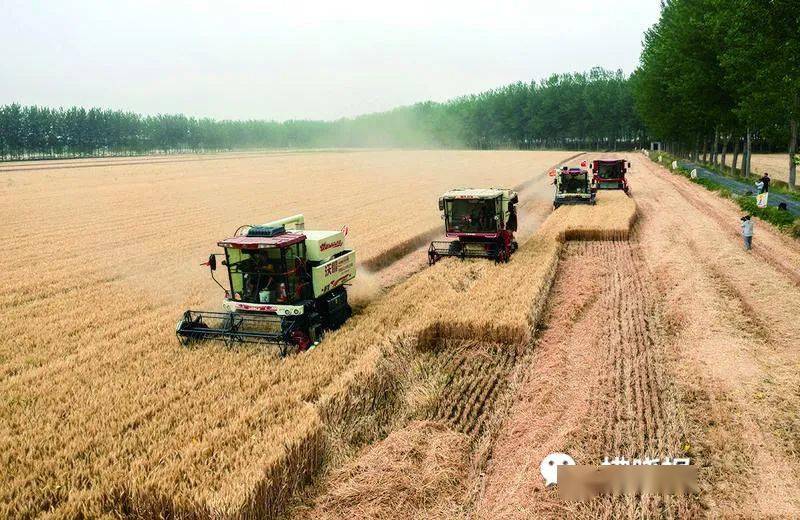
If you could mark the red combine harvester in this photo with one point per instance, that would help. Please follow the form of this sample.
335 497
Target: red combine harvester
610 174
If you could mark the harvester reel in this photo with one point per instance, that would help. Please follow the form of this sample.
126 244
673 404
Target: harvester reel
187 323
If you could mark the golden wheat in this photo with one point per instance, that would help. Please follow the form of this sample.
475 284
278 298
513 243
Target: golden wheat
419 471
776 164
103 413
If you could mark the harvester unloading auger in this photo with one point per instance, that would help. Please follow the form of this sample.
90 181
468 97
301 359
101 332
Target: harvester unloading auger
482 222
286 286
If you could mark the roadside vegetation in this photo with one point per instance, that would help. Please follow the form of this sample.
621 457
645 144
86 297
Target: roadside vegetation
782 219
723 77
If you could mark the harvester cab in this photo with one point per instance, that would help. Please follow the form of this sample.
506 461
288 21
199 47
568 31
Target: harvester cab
573 186
481 223
610 174
285 286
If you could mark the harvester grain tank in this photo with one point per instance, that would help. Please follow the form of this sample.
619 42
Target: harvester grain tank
285 286
573 186
481 223
610 174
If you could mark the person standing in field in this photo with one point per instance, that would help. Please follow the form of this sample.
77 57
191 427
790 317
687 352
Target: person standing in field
747 232
764 183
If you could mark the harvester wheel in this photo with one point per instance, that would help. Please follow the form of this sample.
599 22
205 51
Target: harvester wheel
300 339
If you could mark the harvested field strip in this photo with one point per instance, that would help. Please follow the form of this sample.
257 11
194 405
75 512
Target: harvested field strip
457 384
736 334
419 471
596 388
475 378
636 416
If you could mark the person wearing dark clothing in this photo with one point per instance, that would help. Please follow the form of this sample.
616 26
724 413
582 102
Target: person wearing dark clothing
765 183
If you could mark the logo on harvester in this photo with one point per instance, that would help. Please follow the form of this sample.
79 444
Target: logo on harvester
331 245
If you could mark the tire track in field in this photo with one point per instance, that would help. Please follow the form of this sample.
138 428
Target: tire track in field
598 386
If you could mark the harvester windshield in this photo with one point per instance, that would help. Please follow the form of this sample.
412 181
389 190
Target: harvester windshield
271 275
573 183
471 215
611 170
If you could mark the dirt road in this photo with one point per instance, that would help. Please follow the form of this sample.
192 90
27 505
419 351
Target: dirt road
677 343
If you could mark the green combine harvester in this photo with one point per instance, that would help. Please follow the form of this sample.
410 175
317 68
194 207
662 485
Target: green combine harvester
573 186
286 286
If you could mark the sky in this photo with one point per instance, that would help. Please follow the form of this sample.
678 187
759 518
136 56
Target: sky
300 59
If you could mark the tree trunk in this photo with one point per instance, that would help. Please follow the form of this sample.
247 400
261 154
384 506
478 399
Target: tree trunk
736 144
725 144
714 155
705 151
696 151
793 145
747 152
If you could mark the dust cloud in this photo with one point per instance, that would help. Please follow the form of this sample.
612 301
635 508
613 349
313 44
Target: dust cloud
365 288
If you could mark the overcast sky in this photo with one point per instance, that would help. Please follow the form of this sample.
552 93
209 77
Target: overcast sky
293 59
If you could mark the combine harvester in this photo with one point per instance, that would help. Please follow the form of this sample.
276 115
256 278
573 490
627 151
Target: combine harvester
285 287
610 174
573 186
482 222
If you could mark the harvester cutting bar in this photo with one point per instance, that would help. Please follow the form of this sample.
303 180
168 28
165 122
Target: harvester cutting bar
440 249
234 327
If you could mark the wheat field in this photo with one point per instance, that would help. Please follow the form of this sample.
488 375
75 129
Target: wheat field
776 164
102 411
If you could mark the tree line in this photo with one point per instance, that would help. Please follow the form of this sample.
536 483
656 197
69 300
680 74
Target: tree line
580 110
718 77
